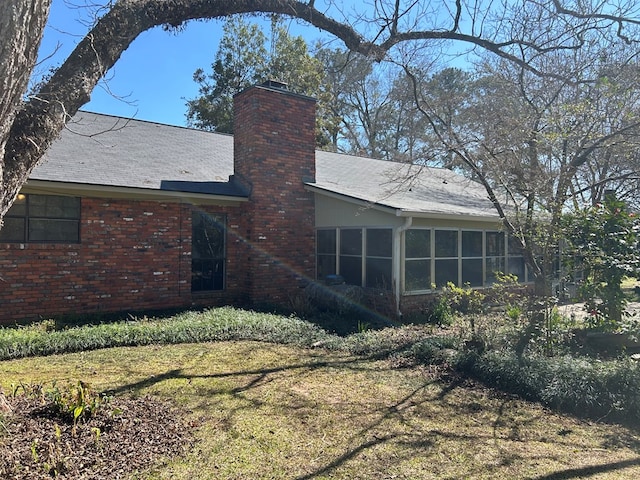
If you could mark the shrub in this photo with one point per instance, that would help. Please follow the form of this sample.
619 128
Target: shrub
582 387
464 300
435 311
383 343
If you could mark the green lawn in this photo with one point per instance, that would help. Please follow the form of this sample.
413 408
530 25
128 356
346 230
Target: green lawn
269 411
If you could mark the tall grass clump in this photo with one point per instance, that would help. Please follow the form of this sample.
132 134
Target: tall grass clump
211 325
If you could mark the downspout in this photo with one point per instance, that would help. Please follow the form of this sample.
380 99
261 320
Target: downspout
397 255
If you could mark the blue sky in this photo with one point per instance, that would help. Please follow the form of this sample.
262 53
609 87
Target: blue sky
153 77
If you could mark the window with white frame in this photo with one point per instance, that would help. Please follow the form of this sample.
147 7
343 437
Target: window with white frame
472 255
439 256
494 258
515 259
446 257
326 256
379 252
350 265
362 256
417 270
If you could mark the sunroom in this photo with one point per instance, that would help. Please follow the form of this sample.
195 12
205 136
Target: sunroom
407 229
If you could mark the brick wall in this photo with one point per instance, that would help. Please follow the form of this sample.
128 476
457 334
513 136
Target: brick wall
136 255
274 143
410 304
133 256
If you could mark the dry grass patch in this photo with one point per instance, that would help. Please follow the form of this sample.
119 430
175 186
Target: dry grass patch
272 411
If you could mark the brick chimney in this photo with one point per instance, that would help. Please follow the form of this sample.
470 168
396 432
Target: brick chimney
274 154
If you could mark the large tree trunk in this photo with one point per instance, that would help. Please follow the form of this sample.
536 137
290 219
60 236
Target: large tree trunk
21 28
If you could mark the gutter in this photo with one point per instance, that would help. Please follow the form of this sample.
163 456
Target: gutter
449 216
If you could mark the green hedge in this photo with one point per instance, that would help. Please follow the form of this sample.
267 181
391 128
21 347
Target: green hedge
584 387
211 325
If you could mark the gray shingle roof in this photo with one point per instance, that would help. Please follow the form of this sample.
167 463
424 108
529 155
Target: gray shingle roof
111 151
404 187
104 150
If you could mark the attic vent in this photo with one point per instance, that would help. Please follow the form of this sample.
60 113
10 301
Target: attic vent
275 84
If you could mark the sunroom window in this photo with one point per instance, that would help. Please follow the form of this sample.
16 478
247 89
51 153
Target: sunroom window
417 270
472 273
362 256
378 261
515 260
462 257
326 252
446 257
495 260
350 266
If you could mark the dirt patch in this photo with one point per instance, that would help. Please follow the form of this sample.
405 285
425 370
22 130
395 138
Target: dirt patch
126 436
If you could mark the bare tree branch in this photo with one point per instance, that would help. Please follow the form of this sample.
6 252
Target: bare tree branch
619 20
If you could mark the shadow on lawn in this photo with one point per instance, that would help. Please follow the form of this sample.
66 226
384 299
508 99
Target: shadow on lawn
418 439
586 472
363 439
176 374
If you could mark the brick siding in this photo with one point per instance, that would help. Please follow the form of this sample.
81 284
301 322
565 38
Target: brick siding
133 256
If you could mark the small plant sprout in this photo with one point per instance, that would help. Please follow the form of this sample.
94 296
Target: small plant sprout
76 402
34 451
96 434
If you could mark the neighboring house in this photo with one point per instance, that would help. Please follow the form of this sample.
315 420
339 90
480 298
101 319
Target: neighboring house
127 215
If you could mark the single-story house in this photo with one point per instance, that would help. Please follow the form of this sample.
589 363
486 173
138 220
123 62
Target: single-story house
129 215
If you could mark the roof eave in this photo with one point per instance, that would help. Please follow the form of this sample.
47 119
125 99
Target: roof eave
448 216
134 193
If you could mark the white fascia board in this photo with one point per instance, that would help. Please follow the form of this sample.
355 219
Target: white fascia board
105 191
449 216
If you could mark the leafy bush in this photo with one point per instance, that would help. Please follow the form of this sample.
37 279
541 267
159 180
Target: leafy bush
440 312
385 342
464 300
435 311
604 240
436 350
